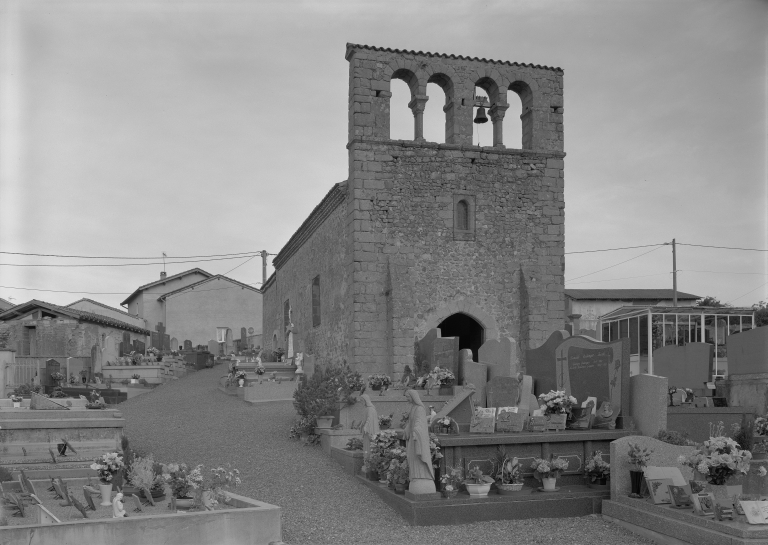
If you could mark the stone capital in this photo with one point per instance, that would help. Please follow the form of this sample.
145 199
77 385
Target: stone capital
418 103
497 111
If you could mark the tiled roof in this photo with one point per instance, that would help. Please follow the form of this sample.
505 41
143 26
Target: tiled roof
628 294
121 311
166 279
23 308
216 277
448 56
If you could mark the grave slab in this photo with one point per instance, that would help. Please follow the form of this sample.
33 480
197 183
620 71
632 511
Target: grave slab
476 374
502 355
503 392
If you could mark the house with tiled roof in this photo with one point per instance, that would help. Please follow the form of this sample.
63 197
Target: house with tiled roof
95 307
40 330
198 307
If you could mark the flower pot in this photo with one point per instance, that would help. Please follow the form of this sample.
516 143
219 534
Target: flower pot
156 494
478 489
129 490
376 387
61 448
399 488
549 483
17 404
449 493
324 422
134 381
636 480
185 503
372 475
382 481
446 389
556 421
512 489
240 382
106 494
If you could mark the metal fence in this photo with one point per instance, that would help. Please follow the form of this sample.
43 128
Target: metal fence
26 368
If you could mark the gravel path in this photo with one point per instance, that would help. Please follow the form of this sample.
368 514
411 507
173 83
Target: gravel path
190 420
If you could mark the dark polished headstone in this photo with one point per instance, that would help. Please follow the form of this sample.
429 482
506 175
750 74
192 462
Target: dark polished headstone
540 363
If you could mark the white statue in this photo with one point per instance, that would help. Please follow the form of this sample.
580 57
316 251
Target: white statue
118 511
299 363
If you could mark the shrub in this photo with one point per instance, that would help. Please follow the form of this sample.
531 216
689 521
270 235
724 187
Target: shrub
5 474
355 444
329 385
674 438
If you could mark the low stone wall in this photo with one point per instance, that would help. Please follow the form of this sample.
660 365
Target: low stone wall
251 522
151 373
695 421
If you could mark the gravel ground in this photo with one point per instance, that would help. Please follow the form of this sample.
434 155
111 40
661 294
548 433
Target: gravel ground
190 420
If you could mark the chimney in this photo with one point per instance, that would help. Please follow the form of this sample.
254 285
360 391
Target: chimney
162 275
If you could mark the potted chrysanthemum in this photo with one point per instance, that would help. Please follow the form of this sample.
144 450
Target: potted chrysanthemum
16 400
444 378
451 480
598 471
107 466
547 471
379 382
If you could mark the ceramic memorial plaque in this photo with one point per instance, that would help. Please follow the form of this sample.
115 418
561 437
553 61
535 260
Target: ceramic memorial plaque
79 507
538 423
510 420
582 417
660 490
483 421
703 503
680 496
588 368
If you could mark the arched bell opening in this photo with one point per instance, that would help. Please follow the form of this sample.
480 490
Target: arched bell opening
469 331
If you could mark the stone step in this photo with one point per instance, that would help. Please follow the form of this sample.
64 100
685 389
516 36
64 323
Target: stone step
72 414
64 423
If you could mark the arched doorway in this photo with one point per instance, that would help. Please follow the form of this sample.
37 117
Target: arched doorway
470 333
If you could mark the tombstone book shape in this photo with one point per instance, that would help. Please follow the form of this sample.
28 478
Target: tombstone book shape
587 368
89 499
483 421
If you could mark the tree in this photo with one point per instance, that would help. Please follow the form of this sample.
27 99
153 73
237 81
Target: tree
761 313
710 301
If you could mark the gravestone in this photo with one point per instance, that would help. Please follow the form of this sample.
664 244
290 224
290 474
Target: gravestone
96 358
188 345
213 347
446 355
538 423
109 353
588 368
501 355
228 342
540 363
528 401
476 374
51 366
243 339
424 352
174 343
503 392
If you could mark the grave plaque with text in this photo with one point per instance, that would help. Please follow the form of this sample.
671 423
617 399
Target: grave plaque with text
510 420
483 421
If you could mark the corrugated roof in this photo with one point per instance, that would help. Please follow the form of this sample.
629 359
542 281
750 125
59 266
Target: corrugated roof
628 294
23 308
448 56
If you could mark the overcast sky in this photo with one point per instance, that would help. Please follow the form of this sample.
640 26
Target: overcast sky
198 128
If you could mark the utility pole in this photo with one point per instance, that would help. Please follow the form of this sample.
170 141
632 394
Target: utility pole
264 255
674 274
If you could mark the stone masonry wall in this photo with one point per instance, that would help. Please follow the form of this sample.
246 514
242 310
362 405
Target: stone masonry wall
324 253
410 267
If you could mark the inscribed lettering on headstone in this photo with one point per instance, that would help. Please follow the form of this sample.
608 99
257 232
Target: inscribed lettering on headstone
510 419
483 421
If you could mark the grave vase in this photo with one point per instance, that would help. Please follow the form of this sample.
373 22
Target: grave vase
549 483
16 404
240 382
636 480
106 494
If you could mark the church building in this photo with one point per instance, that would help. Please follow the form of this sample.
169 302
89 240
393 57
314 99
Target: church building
427 235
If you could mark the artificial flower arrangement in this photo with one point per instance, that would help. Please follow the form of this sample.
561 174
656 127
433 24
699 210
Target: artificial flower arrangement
434 450
240 375
379 381
385 446
719 458
135 376
72 379
57 377
761 425
597 468
556 402
107 466
398 472
15 398
142 474
446 425
422 381
442 376
259 369
549 469
185 482
385 421
452 479
509 472
639 457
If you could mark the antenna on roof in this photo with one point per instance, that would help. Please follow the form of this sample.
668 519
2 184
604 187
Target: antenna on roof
162 274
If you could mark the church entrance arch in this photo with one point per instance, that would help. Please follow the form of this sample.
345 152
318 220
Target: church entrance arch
470 332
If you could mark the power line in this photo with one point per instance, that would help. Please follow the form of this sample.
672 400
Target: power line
241 264
623 278
617 264
114 292
124 264
614 249
723 247
740 296
113 257
722 272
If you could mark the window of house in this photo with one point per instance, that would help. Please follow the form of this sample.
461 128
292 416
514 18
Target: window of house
316 301
463 217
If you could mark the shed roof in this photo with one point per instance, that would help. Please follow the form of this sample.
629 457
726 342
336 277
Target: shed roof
24 308
628 294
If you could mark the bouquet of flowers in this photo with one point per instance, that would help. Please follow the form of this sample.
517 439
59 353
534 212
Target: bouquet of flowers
718 459
135 376
72 379
761 425
509 470
377 382
475 475
556 402
553 467
398 471
639 457
442 376
597 468
182 480
422 381
385 420
57 377
15 398
434 450
451 479
259 369
239 375
107 465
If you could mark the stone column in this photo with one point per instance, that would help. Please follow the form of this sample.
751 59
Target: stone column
497 112
417 105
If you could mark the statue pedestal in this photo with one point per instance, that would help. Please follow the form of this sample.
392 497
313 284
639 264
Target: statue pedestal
422 486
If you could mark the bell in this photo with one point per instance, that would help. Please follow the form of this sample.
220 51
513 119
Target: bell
481 117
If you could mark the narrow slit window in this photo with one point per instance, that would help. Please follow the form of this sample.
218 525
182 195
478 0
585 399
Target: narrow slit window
462 216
